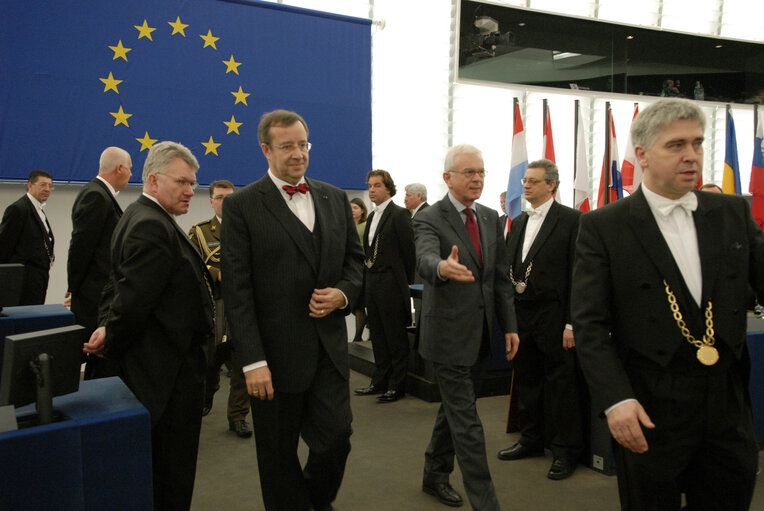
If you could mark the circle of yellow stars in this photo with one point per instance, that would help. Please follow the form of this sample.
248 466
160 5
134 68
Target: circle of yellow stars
178 28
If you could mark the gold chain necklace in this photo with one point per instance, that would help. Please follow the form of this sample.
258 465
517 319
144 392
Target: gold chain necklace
707 354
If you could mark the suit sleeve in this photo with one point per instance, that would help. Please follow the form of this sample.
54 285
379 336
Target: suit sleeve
238 292
352 267
405 233
504 295
427 244
147 262
592 321
573 235
88 219
10 231
756 265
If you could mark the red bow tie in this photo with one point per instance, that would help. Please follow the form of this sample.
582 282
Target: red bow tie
291 190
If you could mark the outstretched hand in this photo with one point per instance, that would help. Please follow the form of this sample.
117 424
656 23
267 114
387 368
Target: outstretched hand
450 268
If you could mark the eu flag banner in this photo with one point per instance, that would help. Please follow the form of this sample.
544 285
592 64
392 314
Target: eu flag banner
77 77
731 175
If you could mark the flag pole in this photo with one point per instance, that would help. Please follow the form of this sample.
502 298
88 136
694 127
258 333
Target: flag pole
575 148
607 153
544 111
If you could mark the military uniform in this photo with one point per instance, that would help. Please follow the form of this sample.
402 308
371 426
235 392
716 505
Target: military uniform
206 235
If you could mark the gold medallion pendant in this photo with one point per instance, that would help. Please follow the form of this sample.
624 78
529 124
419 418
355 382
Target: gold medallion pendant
520 287
708 355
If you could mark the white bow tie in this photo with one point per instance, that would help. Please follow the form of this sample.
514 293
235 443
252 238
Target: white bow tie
534 212
688 201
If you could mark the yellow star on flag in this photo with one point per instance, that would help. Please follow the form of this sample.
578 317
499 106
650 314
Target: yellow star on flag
209 40
146 141
241 96
144 30
119 51
177 27
231 65
111 83
233 125
211 146
121 117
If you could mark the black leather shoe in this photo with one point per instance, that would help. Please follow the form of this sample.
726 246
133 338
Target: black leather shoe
561 469
368 391
390 396
444 493
241 428
518 452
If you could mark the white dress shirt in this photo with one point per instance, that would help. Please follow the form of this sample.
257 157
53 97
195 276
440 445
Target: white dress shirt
38 207
301 204
536 217
375 220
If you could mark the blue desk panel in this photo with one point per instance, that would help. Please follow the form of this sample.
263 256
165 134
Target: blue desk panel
98 458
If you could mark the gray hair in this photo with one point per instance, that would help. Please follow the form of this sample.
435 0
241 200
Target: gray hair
551 173
457 150
417 189
161 154
650 121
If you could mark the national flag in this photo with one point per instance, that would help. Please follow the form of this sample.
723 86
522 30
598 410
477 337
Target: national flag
631 170
610 168
731 176
549 148
513 204
756 186
581 183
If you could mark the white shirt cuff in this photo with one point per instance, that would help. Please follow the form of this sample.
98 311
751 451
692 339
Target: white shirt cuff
256 365
619 403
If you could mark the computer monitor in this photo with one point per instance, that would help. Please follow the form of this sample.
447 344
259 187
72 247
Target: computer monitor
38 366
12 277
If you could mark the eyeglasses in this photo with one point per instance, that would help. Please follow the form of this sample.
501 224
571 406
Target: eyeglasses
182 182
531 181
470 173
44 186
288 148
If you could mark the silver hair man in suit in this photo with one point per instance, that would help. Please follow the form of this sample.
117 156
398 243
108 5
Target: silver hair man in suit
157 317
293 262
463 261
659 297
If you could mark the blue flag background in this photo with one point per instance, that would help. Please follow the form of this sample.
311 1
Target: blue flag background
77 77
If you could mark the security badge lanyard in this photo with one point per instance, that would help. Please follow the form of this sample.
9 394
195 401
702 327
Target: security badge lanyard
706 354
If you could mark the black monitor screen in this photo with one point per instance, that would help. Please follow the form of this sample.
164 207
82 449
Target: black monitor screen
18 382
12 278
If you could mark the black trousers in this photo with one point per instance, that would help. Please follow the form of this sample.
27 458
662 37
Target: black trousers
387 320
547 373
35 285
703 444
321 415
175 440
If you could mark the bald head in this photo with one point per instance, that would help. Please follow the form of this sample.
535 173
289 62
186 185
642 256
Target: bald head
115 166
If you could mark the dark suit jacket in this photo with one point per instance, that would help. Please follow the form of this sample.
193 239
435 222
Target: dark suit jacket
161 310
24 239
552 255
423 206
94 215
23 236
270 270
454 313
621 262
396 252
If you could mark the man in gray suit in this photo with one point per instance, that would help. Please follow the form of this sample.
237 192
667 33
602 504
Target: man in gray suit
464 266
291 249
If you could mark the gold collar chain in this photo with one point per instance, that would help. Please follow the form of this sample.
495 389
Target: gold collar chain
707 354
521 286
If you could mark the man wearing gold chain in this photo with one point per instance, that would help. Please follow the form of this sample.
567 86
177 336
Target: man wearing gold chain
206 235
659 299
